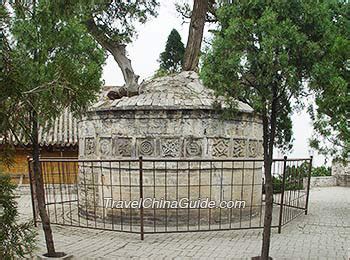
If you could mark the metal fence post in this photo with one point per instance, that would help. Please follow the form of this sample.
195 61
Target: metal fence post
141 198
308 186
282 194
31 181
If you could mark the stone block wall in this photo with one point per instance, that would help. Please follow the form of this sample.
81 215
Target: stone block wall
170 181
169 134
341 173
321 181
158 135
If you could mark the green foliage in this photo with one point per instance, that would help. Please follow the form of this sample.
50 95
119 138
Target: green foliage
301 170
294 178
112 24
16 239
115 19
161 73
330 81
292 184
51 62
277 182
321 171
260 56
295 175
265 51
171 58
7 156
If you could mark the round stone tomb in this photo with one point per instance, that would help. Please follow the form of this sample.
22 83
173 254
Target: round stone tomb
172 123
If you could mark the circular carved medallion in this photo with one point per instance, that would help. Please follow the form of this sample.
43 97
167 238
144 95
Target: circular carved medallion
146 147
193 149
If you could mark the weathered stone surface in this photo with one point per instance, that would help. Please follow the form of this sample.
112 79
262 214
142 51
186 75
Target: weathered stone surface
172 118
341 172
321 181
176 107
180 91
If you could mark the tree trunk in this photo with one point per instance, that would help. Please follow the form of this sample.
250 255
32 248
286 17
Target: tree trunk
118 51
39 187
269 133
195 36
268 208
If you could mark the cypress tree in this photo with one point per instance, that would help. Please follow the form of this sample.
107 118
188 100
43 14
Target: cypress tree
171 59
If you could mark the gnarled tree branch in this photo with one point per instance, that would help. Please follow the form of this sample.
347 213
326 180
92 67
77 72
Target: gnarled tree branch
119 53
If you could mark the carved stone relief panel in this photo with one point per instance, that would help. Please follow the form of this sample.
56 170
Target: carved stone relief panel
193 147
170 147
253 148
146 147
122 146
152 126
105 146
220 147
90 146
238 148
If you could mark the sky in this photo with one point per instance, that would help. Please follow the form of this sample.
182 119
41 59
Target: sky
150 42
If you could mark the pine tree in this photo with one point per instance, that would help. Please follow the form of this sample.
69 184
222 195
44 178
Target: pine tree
16 239
171 58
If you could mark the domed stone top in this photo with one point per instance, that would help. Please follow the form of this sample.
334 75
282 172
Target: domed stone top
172 116
175 92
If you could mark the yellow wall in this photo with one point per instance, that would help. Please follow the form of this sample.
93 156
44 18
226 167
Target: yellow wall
20 165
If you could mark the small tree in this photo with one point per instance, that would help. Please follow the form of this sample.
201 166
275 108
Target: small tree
50 63
16 239
171 59
262 55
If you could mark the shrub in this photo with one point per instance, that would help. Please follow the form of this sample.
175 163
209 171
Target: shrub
321 171
16 239
290 184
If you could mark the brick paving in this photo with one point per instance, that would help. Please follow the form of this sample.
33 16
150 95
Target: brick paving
323 234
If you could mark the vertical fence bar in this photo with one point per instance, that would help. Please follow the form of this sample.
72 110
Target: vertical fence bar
141 199
166 194
308 186
78 185
288 169
31 182
282 194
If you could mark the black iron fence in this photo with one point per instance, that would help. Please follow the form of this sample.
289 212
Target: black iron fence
164 195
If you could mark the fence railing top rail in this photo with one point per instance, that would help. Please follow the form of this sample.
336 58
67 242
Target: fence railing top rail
73 159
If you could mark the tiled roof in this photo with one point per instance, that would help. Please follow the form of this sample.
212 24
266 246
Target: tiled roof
62 133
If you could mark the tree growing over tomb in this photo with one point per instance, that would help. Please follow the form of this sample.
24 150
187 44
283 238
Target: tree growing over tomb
202 11
112 24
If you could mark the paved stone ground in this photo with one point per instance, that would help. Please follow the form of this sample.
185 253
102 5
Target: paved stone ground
323 234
